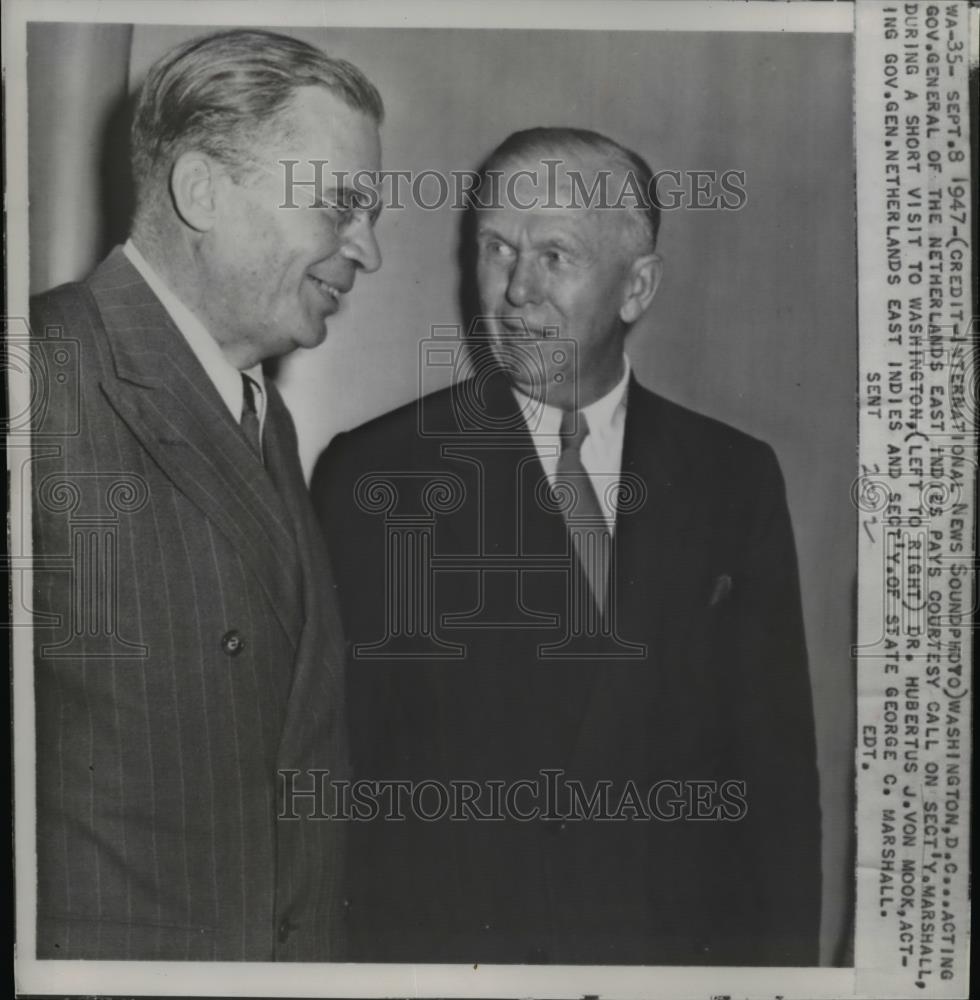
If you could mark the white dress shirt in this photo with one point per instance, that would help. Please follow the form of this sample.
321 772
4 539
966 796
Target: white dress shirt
226 377
602 450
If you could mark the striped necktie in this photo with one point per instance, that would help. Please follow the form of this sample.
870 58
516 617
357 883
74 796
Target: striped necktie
581 509
251 427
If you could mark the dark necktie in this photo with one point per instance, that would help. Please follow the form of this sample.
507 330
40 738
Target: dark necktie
583 514
250 417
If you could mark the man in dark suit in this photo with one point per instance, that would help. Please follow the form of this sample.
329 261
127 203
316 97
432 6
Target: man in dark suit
189 653
550 575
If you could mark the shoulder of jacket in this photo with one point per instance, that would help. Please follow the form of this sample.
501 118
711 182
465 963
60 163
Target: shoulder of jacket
708 434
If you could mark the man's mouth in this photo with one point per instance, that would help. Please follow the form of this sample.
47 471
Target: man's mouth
331 293
516 328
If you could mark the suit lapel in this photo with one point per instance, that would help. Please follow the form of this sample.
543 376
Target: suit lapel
655 562
657 541
507 486
170 405
522 667
318 678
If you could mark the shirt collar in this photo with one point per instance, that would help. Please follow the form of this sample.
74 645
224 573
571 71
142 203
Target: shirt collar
600 415
226 378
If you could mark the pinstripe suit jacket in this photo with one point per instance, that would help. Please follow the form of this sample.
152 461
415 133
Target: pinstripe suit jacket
187 649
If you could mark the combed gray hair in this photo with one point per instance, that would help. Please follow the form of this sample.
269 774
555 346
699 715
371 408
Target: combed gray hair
223 92
544 143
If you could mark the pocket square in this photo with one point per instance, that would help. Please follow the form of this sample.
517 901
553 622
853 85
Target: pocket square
721 589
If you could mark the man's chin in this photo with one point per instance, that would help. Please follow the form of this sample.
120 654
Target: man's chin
535 388
520 360
313 333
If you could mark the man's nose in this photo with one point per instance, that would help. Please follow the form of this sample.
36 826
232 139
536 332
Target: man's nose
362 245
522 287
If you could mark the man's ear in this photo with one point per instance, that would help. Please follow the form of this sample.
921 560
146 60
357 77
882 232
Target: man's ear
642 283
193 187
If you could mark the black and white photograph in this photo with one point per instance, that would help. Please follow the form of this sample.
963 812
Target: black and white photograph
439 501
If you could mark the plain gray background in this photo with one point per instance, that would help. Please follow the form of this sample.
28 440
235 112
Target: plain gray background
755 322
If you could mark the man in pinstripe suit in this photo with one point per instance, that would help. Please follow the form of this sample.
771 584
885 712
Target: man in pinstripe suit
188 649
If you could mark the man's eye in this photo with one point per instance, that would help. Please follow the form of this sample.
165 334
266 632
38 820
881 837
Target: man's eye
348 206
332 203
554 257
495 248
339 201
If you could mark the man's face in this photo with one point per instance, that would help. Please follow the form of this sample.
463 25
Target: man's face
274 274
554 272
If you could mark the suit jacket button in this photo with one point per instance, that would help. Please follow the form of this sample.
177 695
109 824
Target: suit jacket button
232 643
286 927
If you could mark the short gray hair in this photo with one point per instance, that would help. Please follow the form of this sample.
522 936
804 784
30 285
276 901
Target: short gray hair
221 93
542 143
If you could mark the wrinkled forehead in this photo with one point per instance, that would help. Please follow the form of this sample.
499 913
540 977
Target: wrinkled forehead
571 190
581 228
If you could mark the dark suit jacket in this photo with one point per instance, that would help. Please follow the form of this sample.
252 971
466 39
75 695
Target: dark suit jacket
705 679
187 648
